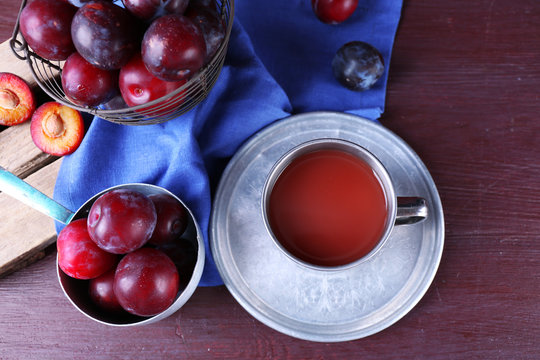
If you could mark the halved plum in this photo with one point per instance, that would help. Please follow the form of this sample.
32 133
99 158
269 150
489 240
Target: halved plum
57 129
17 102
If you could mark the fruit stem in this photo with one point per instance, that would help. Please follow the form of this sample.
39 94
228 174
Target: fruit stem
53 126
8 99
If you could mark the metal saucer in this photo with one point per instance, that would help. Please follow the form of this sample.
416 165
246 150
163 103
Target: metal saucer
307 303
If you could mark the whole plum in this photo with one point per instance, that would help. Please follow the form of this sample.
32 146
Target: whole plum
138 86
78 256
102 293
87 85
333 11
45 25
358 65
173 48
151 9
172 219
212 4
146 282
183 253
105 34
211 25
121 220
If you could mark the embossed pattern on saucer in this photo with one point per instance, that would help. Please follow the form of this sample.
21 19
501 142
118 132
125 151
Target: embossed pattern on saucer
306 303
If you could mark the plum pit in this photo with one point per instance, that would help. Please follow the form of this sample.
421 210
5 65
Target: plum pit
53 126
8 99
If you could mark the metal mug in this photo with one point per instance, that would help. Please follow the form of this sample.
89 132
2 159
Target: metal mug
75 290
400 210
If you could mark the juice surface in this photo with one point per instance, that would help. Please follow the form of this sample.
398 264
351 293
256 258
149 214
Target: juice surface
327 208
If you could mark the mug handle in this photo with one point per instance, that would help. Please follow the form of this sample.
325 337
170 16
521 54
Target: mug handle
22 191
410 210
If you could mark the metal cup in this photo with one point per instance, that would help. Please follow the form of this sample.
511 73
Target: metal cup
77 290
400 210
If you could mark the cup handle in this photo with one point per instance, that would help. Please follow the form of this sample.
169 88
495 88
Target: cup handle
410 210
22 191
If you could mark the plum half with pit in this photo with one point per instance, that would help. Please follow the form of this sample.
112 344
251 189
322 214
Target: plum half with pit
358 65
173 48
122 220
105 34
87 85
151 9
45 25
138 86
78 256
17 101
146 282
57 129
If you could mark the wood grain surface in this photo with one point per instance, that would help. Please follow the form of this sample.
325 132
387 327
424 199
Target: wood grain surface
464 92
25 232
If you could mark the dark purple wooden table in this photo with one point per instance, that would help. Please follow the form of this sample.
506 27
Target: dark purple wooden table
464 92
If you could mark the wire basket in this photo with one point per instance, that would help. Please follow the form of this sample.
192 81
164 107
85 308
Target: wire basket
48 76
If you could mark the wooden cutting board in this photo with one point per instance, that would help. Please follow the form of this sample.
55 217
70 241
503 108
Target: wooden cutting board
24 232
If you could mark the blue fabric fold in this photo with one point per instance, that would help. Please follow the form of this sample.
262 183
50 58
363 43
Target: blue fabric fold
278 64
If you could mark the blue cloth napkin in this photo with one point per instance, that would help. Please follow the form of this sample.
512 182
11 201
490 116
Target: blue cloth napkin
278 64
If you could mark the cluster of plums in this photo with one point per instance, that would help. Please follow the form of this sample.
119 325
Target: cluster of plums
357 65
130 250
143 49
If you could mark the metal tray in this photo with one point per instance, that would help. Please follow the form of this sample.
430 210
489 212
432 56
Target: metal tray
307 303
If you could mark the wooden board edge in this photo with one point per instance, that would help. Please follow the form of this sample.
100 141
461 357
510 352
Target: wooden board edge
28 258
